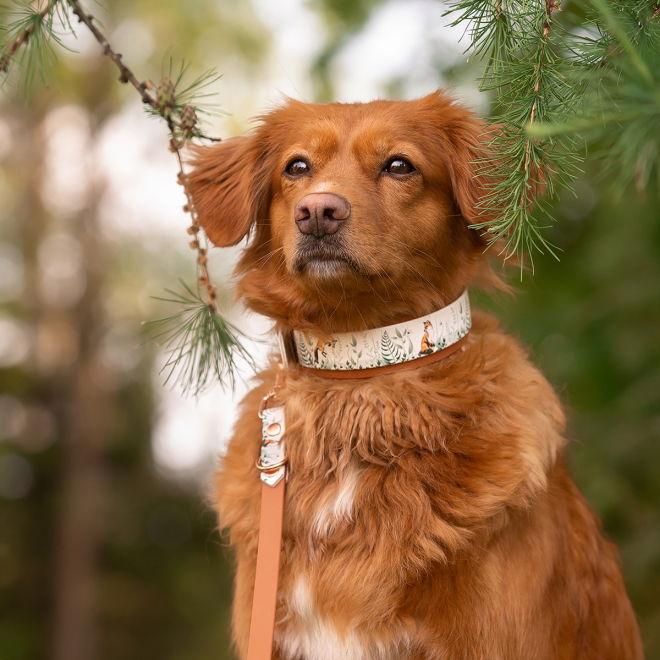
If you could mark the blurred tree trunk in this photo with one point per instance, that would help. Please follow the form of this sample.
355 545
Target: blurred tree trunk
87 406
76 389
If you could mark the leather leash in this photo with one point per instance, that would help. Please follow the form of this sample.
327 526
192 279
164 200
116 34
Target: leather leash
272 466
272 473
262 624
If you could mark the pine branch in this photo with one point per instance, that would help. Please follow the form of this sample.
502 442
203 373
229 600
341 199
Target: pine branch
163 104
551 89
204 279
519 167
618 71
197 345
195 337
25 34
201 346
125 74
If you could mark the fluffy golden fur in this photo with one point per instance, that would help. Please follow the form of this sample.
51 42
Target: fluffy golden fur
429 512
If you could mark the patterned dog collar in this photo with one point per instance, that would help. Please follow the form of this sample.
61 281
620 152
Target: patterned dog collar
379 348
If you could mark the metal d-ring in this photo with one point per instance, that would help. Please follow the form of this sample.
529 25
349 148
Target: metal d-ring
273 467
265 401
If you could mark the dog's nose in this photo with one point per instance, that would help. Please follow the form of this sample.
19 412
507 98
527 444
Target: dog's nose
321 213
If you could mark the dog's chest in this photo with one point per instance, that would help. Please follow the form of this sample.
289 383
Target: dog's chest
325 589
346 574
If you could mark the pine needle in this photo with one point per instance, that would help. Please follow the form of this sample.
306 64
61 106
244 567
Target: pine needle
202 347
617 68
527 73
31 36
186 93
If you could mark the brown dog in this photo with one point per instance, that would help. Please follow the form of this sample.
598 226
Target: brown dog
429 512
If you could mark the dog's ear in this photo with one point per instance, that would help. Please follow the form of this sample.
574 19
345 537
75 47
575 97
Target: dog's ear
471 141
229 187
467 143
461 140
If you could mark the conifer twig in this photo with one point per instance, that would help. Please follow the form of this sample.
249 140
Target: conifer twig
125 74
527 72
162 104
616 69
202 346
204 279
197 363
24 36
550 7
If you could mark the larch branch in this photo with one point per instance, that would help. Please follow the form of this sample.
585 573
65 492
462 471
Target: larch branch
127 76
24 36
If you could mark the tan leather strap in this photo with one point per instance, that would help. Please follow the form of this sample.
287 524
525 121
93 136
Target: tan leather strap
388 368
262 624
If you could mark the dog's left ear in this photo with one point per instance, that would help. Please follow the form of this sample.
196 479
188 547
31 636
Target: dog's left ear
461 139
230 188
467 139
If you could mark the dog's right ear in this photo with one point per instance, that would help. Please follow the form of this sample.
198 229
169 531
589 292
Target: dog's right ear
229 188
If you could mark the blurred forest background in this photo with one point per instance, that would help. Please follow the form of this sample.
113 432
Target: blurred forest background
107 549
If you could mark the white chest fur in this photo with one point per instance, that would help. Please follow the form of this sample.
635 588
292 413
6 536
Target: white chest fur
308 636
338 506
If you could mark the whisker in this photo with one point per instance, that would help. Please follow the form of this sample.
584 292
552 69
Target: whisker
262 260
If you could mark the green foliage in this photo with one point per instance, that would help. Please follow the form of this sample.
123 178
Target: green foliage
618 72
180 100
543 76
203 348
520 43
490 29
30 34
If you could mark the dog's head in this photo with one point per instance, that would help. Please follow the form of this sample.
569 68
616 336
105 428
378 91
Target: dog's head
359 213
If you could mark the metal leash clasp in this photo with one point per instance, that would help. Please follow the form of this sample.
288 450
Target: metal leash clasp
272 458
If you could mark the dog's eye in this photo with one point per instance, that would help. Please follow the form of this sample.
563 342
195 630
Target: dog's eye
398 166
297 167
